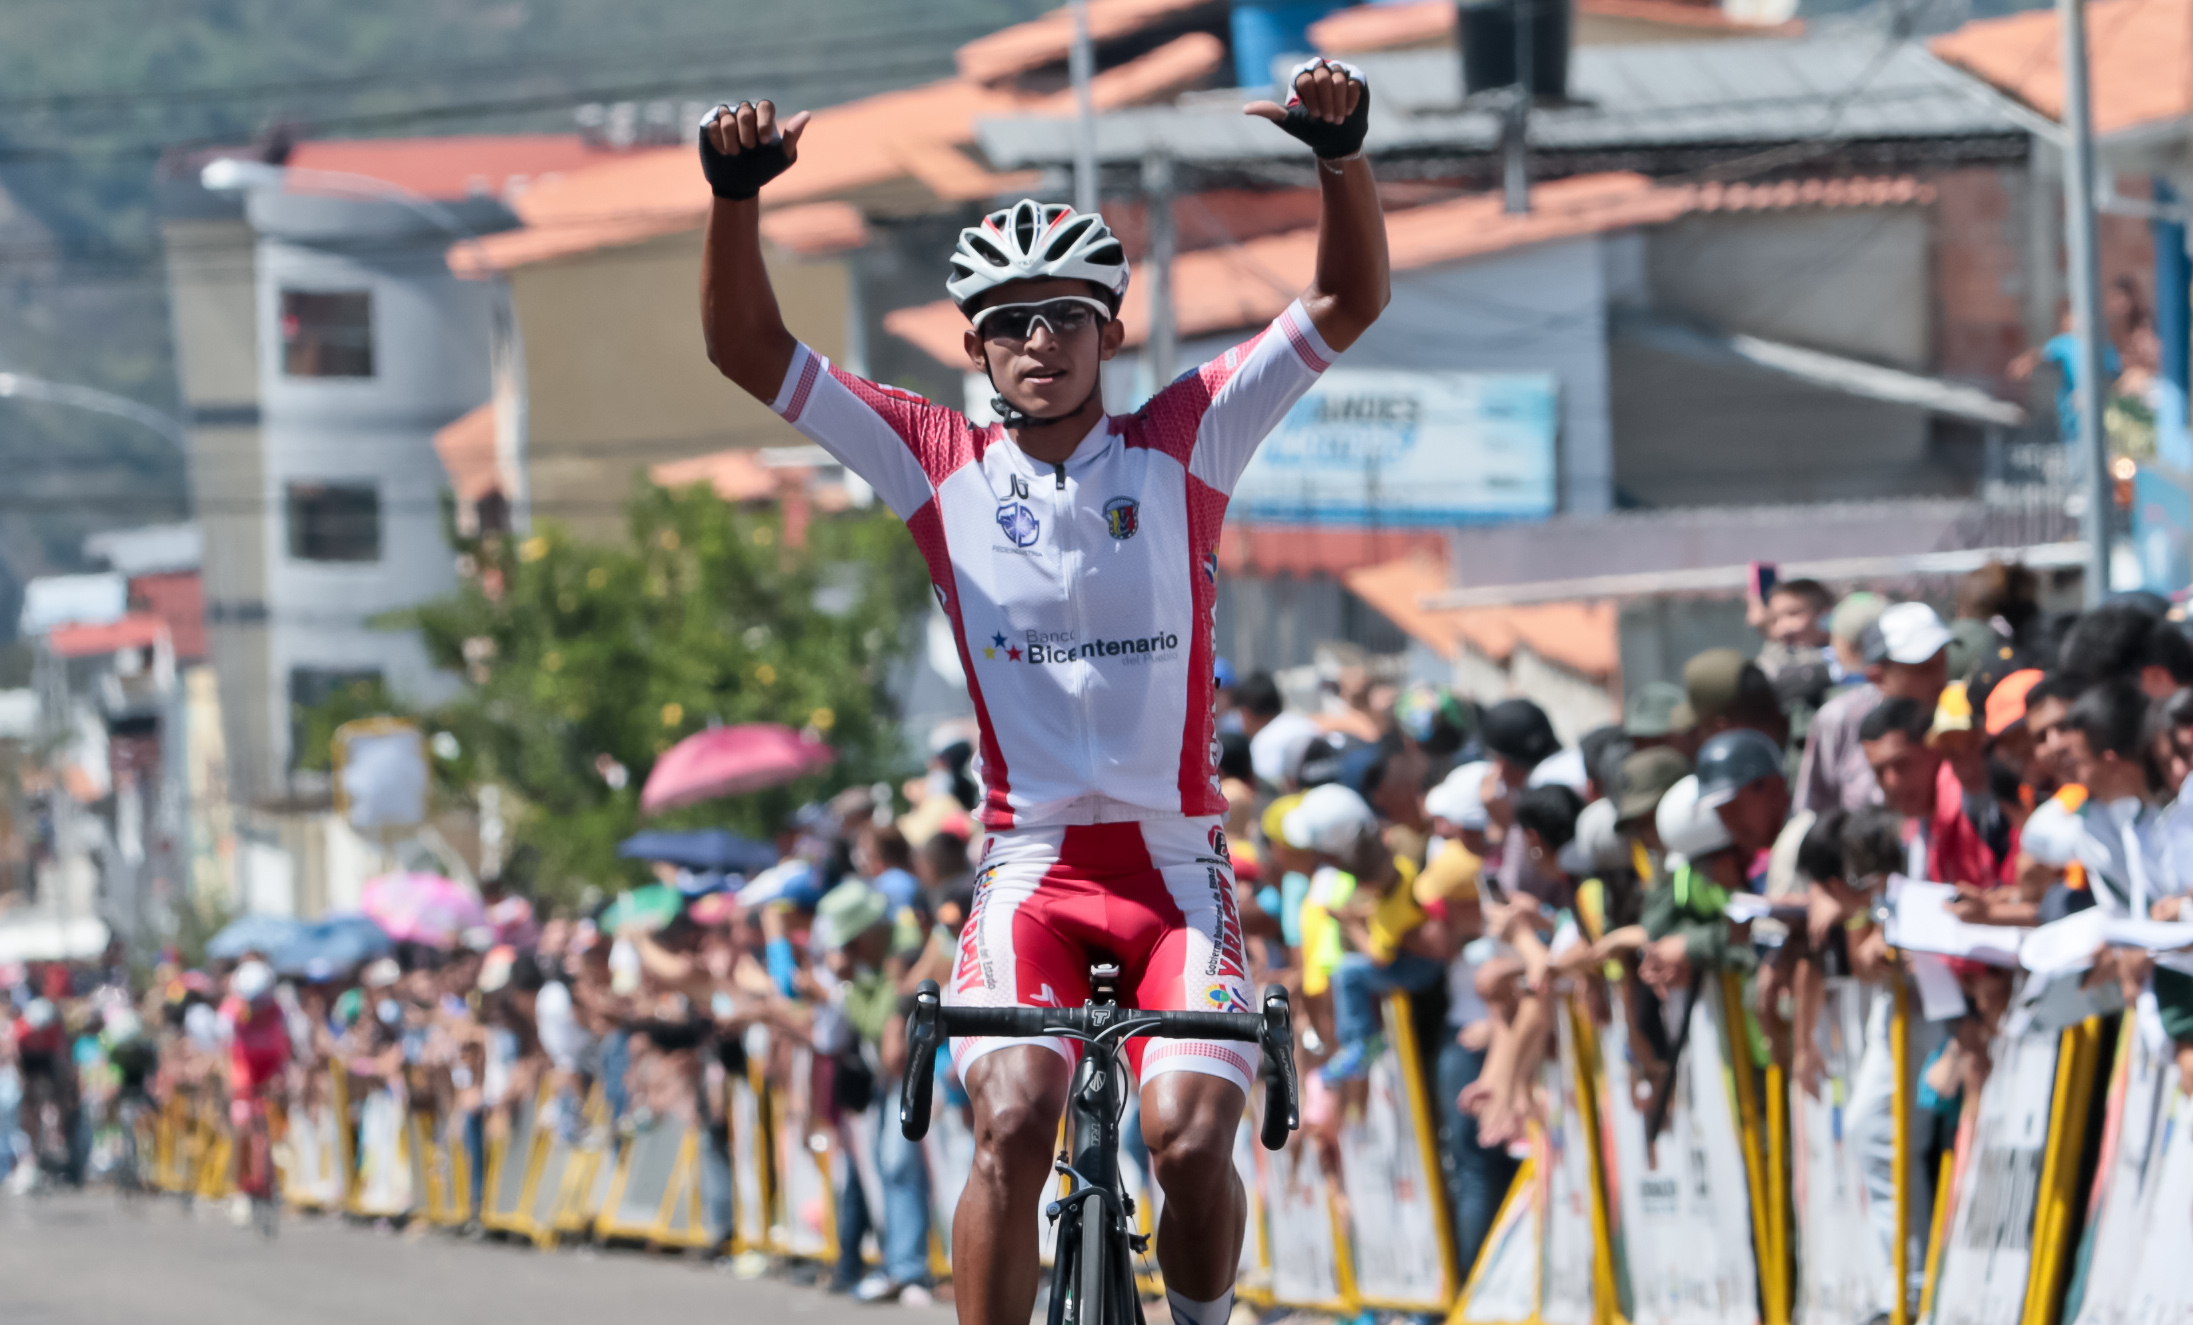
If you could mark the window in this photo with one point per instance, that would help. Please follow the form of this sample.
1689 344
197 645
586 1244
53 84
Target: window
327 333
334 522
320 699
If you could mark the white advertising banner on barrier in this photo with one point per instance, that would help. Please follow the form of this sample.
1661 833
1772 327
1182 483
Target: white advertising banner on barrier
1381 446
1393 1192
1989 1247
1847 1273
802 1226
2162 1284
1505 1290
748 1212
312 1164
1566 1267
1298 1212
2133 1135
1681 1205
384 1176
1539 1260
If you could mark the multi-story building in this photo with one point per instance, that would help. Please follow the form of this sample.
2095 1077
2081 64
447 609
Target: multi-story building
322 340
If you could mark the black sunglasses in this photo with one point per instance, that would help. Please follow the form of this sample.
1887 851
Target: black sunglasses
1064 315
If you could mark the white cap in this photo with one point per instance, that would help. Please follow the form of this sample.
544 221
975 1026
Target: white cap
1460 797
381 974
1330 819
1910 633
1276 751
1687 827
251 981
1563 768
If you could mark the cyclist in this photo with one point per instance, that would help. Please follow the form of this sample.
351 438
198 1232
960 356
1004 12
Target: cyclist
259 1051
135 1058
1075 554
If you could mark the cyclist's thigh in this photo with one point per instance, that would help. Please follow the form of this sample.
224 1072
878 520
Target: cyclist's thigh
1018 946
1198 963
1018 1088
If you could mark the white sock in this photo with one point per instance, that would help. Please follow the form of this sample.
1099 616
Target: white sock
1188 1311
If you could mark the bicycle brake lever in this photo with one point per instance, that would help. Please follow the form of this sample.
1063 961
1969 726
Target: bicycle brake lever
1282 1093
919 1084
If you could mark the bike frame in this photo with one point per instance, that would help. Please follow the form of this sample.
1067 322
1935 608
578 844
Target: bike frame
1094 1215
1093 1267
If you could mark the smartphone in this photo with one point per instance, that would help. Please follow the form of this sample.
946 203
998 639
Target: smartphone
1764 577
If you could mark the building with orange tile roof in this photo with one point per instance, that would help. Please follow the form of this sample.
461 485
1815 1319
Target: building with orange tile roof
453 167
2140 53
1564 656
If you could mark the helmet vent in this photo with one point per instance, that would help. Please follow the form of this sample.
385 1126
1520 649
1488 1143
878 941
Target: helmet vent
990 252
1067 238
1024 228
1108 255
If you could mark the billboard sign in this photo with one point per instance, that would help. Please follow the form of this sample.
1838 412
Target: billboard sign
1371 446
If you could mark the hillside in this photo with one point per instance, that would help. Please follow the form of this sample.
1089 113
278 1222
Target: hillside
92 91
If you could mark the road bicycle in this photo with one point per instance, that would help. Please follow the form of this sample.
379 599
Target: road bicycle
257 1179
1092 1272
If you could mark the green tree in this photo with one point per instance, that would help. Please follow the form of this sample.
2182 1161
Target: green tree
584 659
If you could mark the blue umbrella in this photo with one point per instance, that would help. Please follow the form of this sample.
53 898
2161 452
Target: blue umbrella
263 934
701 849
327 948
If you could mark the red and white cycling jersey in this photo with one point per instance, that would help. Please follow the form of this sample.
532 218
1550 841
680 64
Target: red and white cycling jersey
1081 594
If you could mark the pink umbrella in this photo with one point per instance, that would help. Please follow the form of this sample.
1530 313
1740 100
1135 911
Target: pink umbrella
724 761
422 908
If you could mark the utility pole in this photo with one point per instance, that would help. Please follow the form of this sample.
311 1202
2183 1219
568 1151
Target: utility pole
2086 299
1157 267
1081 64
1515 131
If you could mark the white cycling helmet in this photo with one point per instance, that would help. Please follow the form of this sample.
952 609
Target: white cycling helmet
1031 241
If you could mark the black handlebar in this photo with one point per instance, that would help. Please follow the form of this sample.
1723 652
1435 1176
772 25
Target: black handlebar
930 1023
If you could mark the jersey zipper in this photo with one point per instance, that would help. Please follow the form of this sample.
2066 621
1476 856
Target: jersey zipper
1067 577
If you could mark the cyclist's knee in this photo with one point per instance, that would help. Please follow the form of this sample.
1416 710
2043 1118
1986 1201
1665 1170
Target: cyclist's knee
1017 1108
1188 1122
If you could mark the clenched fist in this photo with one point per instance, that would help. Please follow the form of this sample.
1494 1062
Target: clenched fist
744 148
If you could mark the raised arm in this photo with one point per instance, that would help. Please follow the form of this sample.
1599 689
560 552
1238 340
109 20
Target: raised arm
745 334
1330 110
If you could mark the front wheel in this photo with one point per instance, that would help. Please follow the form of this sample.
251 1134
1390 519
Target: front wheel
1093 1269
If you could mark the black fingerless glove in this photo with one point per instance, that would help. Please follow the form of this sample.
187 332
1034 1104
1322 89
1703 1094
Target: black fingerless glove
1330 141
743 175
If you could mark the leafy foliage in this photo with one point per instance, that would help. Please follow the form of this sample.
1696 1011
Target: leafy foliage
585 659
316 725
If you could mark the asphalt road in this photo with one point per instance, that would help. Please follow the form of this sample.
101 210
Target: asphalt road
88 1259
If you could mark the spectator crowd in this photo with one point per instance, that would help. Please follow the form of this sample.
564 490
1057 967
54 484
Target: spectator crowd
1386 837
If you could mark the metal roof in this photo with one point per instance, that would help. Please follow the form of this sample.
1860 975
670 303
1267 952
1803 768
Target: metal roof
1833 371
1758 90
